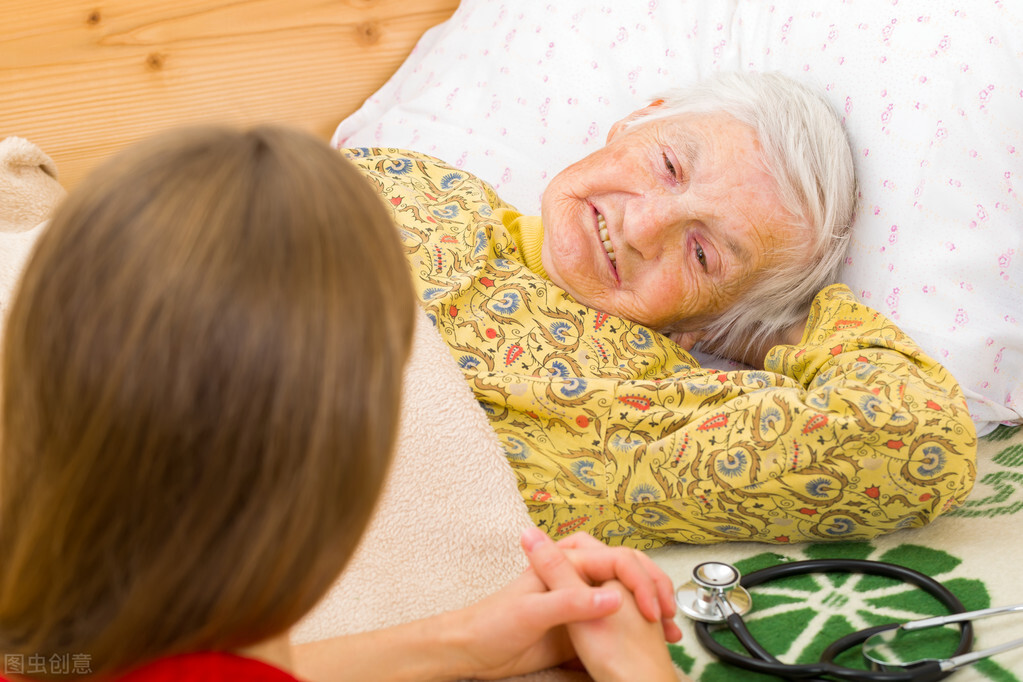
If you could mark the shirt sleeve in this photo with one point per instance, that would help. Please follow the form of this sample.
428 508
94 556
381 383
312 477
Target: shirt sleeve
852 433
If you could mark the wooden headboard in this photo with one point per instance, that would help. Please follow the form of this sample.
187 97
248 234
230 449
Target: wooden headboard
84 79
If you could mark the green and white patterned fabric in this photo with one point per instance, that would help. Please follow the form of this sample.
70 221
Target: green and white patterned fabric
976 551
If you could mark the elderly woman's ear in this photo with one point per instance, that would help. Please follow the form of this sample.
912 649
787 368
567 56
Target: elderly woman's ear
619 126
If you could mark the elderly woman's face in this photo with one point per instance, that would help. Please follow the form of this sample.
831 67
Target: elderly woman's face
666 224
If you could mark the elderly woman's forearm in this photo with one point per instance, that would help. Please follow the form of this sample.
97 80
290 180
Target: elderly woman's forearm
854 433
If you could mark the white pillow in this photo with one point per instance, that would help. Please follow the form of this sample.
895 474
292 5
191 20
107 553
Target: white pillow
931 93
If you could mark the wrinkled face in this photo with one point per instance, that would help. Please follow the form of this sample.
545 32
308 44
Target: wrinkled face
667 223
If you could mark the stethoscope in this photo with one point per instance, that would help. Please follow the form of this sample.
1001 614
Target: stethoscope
718 594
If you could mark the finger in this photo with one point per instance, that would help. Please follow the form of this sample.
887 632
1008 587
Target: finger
558 607
630 569
578 604
665 588
658 590
549 562
672 632
580 540
527 581
650 587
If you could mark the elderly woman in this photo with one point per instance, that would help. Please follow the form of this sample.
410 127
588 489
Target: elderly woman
718 215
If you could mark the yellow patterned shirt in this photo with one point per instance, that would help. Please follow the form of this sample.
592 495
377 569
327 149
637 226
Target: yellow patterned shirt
613 429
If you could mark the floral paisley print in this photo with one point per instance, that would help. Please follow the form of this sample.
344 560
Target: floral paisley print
615 430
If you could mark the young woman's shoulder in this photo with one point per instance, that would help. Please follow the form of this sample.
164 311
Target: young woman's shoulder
199 667
208 667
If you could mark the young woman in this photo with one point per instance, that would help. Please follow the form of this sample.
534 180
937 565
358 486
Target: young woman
201 377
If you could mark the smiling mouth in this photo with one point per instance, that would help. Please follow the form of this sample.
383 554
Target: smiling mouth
605 238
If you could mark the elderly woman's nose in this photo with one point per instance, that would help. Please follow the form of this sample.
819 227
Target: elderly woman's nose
649 231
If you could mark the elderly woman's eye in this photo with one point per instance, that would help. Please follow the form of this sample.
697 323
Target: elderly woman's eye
669 165
701 256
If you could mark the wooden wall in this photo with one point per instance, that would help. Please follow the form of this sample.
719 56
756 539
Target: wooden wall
83 79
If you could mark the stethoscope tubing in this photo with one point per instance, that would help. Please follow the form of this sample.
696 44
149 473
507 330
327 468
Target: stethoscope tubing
825 670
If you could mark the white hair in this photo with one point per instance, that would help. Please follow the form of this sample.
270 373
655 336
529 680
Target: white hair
807 152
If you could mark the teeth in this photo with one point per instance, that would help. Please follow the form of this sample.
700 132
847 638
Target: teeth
602 224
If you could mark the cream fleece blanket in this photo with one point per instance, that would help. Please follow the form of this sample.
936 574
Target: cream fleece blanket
446 531
28 193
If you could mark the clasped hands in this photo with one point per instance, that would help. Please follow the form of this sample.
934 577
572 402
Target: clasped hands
612 609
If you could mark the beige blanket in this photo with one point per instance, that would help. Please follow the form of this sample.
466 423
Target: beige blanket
28 193
446 531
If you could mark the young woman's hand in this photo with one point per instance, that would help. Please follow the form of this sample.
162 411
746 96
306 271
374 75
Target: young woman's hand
597 563
621 647
519 629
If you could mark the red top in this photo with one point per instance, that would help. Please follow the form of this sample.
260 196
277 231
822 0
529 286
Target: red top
199 667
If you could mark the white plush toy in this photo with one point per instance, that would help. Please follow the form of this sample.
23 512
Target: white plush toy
29 192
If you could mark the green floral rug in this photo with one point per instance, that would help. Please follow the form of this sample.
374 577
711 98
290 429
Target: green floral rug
976 551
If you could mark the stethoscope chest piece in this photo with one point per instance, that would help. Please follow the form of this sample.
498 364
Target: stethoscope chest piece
713 588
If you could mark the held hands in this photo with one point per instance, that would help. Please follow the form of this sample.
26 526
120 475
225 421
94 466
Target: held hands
595 563
518 630
610 607
628 644
617 603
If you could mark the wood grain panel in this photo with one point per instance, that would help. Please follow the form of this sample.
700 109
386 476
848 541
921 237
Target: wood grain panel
84 79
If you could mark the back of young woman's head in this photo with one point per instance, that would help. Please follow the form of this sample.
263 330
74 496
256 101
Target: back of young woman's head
201 382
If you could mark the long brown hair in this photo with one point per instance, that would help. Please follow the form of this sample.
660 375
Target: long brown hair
201 379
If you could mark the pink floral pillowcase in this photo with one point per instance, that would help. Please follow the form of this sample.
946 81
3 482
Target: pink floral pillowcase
931 95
